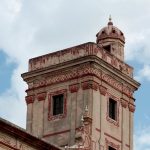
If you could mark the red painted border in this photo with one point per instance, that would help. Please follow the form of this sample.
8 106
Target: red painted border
8 145
60 116
109 143
115 122
56 133
113 137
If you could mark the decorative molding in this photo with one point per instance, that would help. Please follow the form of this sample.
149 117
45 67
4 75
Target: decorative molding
50 109
79 51
29 99
113 137
15 138
98 130
74 88
55 133
79 72
113 145
131 107
41 96
127 145
103 90
124 103
89 85
115 122
117 85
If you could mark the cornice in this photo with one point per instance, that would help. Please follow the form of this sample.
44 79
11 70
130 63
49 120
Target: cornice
70 65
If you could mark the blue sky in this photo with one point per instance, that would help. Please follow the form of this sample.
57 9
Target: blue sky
31 28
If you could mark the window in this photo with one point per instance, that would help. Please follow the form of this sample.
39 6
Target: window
107 48
111 148
57 108
58 103
112 109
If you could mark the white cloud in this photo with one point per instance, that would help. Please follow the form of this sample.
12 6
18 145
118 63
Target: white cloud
142 138
144 73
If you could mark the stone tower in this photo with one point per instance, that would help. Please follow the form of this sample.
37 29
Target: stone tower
82 97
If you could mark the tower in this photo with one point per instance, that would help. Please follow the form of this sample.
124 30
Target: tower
82 97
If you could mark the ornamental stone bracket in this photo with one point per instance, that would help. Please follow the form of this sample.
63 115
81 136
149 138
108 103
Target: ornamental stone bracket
41 96
131 107
89 85
30 99
124 103
103 90
74 87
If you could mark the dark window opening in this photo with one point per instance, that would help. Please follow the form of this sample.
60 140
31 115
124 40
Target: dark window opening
111 148
107 48
58 103
112 109
114 31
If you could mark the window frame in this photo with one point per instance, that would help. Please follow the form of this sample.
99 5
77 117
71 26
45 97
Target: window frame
57 104
111 147
51 115
108 118
112 109
111 144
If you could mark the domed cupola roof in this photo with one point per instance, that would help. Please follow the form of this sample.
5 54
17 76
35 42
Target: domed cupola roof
110 32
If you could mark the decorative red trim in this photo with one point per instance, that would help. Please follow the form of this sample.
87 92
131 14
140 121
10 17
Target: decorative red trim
115 122
79 72
41 96
89 85
127 145
113 137
60 116
124 103
131 107
55 133
99 130
8 145
21 137
74 87
29 99
109 143
102 90
117 85
82 50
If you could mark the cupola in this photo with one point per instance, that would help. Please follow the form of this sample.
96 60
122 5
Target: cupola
112 40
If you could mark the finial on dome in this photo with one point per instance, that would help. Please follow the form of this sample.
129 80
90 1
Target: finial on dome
110 20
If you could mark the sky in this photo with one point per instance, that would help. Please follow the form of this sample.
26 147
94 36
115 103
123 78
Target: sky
29 28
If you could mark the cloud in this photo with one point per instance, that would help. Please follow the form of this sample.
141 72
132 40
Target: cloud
142 138
144 73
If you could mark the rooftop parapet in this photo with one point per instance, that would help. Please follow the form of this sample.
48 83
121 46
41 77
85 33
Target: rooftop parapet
79 51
